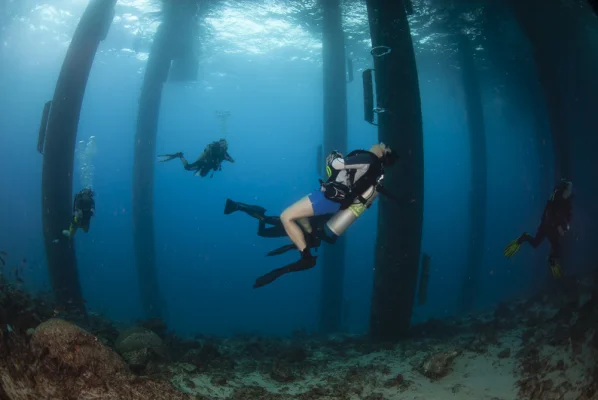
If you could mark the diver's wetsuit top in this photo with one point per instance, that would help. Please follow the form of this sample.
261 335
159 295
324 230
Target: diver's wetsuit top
85 203
557 213
211 158
351 176
360 163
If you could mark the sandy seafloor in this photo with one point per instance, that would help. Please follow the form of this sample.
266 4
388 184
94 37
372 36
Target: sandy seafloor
543 348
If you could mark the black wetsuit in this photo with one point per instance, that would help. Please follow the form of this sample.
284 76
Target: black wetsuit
83 210
211 159
557 214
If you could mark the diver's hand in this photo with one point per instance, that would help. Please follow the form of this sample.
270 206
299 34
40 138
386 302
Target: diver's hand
561 230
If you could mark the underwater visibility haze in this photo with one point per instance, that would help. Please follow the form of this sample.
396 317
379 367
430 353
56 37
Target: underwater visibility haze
485 107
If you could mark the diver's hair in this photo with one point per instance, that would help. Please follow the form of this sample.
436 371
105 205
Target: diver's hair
380 149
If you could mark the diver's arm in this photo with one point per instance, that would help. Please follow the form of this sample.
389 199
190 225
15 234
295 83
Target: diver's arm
92 206
359 161
384 191
228 158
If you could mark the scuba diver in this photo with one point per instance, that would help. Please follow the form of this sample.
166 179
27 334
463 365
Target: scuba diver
83 209
211 159
554 224
353 184
313 227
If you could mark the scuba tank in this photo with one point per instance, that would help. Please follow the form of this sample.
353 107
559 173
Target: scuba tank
343 219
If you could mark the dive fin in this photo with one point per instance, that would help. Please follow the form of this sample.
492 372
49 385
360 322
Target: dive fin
512 248
253 211
555 268
230 207
168 157
557 271
258 210
301 265
281 250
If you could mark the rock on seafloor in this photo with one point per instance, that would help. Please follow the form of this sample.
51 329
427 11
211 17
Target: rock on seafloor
138 346
438 365
62 361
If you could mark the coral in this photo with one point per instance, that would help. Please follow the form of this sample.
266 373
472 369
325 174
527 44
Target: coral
138 346
62 361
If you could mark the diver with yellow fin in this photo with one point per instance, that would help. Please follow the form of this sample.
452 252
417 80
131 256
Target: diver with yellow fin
554 224
353 184
83 209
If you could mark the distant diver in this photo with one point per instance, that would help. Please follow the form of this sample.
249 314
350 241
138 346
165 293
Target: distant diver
271 227
83 209
210 160
353 184
555 223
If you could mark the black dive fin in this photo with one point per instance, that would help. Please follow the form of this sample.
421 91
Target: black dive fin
281 250
269 277
301 265
259 210
230 207
168 157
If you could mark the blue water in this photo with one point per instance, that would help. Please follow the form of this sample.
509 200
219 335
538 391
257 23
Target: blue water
207 261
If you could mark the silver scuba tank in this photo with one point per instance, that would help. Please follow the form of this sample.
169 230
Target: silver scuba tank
343 219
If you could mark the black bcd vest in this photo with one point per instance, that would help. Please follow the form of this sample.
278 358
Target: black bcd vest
341 193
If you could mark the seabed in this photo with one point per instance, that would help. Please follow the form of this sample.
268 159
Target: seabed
540 348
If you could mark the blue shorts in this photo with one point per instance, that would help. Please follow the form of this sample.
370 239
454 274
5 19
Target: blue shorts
321 204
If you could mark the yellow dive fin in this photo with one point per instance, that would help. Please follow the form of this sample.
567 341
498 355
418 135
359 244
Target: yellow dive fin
557 271
512 248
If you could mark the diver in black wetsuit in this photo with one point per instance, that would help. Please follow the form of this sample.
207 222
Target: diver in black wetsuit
211 159
271 227
83 209
554 224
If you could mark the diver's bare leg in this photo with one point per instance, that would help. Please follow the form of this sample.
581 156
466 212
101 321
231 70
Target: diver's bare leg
300 209
304 222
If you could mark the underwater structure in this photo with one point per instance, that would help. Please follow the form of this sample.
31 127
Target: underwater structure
171 47
519 80
58 135
478 171
399 233
335 138
547 53
567 77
